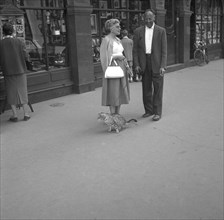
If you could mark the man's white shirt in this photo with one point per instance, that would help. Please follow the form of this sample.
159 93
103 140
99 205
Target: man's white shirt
148 38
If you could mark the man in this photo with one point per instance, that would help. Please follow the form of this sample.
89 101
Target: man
150 55
128 48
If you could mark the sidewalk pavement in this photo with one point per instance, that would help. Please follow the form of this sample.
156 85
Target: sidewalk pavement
63 164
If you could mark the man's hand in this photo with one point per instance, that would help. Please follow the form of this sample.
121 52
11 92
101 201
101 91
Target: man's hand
138 70
129 71
162 71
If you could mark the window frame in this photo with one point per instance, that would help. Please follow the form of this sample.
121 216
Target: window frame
208 19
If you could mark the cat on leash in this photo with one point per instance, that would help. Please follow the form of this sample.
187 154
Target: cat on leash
114 121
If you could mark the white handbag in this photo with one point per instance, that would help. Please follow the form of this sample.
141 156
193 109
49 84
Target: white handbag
114 71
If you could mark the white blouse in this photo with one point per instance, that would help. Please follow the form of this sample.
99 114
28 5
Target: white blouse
117 48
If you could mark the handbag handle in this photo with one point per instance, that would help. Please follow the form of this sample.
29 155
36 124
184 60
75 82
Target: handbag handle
111 61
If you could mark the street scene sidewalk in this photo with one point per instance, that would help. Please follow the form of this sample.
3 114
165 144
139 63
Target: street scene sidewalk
64 164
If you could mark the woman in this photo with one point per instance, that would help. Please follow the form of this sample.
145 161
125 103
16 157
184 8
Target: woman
12 61
114 91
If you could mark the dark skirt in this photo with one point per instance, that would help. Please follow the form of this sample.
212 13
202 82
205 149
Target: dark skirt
16 89
116 91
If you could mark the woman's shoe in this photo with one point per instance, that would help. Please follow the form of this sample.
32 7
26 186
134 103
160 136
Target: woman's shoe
13 119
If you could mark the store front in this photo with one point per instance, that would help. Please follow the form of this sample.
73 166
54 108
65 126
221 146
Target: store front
207 25
58 44
174 16
63 37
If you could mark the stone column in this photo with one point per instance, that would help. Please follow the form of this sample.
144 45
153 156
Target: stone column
80 45
184 35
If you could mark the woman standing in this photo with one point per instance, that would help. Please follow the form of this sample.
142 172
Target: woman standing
12 60
115 92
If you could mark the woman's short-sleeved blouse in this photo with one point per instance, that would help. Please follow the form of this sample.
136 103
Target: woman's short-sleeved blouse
117 48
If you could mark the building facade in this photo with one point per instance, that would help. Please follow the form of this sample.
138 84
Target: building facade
63 37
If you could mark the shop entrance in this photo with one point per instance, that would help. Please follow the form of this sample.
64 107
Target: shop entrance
171 30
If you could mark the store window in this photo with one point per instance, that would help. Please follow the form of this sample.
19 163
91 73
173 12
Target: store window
129 12
45 33
208 21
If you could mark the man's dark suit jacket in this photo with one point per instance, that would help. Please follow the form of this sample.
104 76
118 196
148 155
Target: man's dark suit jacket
159 48
12 56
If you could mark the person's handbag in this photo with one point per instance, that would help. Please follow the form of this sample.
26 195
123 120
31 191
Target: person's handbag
114 71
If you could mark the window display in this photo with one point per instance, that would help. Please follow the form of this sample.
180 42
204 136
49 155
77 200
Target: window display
208 18
96 49
45 34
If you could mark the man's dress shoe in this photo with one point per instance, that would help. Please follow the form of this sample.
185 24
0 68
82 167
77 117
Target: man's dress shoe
156 118
147 114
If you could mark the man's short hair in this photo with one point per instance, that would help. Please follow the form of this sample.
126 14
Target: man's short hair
150 10
125 32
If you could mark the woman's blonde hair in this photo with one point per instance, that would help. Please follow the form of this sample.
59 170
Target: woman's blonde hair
109 23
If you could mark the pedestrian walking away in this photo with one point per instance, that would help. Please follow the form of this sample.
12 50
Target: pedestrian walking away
13 58
150 57
115 92
128 50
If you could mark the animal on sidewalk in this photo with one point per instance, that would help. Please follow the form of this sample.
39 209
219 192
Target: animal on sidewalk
114 121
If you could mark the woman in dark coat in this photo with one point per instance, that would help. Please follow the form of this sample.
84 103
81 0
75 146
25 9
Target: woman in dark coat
13 58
